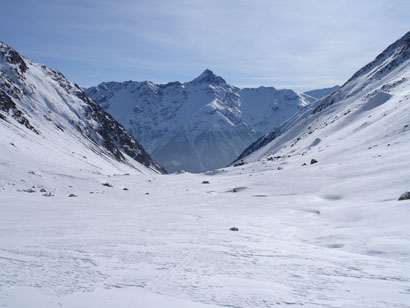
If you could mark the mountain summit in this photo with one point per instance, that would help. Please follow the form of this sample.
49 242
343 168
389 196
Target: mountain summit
208 77
199 125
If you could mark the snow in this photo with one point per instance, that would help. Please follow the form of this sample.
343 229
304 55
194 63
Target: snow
100 298
326 235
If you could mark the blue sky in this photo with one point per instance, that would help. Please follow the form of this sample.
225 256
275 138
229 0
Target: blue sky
298 44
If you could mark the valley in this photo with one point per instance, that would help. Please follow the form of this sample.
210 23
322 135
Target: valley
314 213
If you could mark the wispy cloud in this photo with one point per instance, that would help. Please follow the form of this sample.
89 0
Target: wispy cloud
301 44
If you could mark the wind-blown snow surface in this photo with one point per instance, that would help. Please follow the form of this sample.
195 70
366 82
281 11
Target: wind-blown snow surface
330 234
199 125
43 116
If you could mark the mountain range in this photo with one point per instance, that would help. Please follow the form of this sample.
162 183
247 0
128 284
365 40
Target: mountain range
199 125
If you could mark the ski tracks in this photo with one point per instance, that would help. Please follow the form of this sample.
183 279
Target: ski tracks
156 284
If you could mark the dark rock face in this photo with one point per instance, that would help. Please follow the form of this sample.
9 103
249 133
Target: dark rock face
313 161
114 136
9 55
8 106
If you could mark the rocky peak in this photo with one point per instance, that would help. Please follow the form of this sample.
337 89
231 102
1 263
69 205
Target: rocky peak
208 77
8 56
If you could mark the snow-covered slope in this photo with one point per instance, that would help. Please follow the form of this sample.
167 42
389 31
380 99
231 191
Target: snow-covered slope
199 125
320 93
367 114
47 120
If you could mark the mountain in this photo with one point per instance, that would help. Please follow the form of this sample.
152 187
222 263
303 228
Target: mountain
199 125
320 93
370 111
46 120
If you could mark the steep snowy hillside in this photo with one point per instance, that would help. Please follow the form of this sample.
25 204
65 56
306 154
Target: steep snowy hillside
199 125
320 93
47 120
368 113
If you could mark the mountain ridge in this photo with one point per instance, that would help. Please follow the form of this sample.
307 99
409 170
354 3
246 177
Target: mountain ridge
44 101
375 91
198 125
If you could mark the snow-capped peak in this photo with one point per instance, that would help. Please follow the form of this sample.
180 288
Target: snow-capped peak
198 125
208 77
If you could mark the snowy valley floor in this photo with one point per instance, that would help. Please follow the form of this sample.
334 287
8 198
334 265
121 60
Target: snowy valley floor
323 235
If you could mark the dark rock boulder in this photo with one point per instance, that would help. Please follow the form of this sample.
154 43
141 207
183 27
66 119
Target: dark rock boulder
405 196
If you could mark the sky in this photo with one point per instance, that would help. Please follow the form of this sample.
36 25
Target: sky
297 44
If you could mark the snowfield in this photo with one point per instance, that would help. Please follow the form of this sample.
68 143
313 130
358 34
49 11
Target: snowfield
331 234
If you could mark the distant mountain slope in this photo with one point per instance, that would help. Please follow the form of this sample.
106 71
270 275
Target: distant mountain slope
370 110
199 125
43 116
320 93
